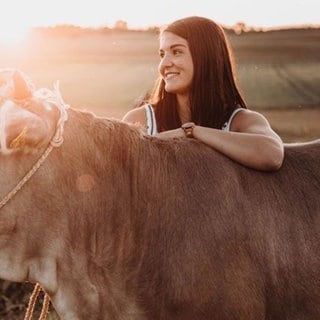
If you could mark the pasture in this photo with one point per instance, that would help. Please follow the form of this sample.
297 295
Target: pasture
278 73
107 72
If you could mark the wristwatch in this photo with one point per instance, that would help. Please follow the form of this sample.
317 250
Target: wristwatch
188 129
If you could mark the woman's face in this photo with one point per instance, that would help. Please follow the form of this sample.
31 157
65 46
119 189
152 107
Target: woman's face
176 65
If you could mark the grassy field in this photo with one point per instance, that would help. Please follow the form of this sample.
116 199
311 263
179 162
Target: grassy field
277 71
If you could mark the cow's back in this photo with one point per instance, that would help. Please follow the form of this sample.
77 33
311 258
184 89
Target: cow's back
228 242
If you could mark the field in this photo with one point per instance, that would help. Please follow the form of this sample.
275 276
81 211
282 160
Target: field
107 72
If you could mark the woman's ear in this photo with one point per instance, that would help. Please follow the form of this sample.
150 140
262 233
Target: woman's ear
21 89
20 128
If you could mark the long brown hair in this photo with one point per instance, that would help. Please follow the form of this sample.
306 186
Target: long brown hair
214 93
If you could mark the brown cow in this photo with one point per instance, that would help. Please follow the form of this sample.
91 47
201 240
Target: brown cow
118 225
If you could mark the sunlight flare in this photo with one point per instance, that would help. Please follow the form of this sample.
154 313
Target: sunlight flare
12 34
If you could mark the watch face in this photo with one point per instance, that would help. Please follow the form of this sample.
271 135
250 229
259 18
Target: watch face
188 129
187 125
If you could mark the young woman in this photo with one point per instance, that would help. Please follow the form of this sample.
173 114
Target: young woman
196 96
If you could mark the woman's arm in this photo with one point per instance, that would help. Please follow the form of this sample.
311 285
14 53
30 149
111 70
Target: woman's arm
250 142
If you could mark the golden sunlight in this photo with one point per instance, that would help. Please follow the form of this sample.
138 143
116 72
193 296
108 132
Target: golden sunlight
12 34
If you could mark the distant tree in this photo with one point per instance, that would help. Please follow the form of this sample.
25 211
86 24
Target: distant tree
121 25
240 27
154 29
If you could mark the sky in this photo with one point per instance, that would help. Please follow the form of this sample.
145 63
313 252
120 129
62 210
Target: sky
19 15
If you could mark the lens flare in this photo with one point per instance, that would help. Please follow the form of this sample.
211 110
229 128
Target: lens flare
13 34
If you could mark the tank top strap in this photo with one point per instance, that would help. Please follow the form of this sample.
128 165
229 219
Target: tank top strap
151 120
227 125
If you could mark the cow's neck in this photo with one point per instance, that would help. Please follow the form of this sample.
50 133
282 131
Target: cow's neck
18 267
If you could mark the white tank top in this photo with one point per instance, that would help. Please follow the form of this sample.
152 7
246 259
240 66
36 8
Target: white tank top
227 125
152 123
151 120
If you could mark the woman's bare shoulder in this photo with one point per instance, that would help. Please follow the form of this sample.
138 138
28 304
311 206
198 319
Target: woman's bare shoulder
136 116
248 120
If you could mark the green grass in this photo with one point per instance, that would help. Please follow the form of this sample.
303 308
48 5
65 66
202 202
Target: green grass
284 85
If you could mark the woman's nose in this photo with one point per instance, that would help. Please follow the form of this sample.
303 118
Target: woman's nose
165 62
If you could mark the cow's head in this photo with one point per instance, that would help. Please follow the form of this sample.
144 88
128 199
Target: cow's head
28 116
31 120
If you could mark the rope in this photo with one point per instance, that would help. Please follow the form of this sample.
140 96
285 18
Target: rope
45 307
32 303
27 177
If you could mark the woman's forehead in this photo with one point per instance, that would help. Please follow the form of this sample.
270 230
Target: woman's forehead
169 39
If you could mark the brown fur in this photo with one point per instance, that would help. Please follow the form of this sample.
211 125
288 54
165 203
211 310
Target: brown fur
141 228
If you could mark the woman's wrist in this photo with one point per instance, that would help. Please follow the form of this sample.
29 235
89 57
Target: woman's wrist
188 129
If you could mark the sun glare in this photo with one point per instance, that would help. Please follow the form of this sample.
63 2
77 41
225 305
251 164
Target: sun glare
12 34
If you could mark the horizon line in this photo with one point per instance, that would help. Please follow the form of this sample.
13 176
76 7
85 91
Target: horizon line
146 28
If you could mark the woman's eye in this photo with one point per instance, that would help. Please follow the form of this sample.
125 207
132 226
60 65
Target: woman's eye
176 52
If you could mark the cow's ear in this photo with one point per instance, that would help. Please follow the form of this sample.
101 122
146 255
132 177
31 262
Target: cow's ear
21 88
21 128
